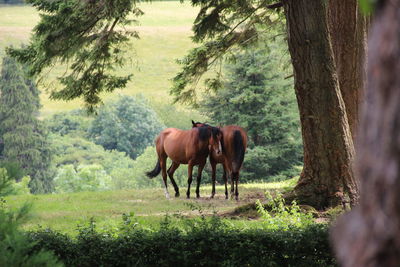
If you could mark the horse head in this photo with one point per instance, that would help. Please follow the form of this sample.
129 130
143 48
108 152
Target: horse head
199 124
215 139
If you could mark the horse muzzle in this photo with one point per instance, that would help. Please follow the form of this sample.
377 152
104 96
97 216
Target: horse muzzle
218 151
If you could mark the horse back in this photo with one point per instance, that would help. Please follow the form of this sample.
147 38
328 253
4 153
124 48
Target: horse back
181 145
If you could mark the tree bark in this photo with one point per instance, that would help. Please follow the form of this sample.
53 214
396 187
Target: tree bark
348 31
327 178
370 234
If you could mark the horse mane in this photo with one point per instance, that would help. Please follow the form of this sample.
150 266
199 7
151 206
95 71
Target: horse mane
215 131
200 124
205 131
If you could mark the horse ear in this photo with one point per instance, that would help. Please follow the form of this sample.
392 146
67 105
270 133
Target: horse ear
193 123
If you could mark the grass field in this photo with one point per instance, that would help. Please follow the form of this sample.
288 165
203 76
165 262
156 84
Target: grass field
64 212
165 36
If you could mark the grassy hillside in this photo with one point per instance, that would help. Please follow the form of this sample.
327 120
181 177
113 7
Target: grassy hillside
164 31
65 211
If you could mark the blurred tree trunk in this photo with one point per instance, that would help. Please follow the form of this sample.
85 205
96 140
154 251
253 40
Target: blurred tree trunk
370 234
327 178
348 31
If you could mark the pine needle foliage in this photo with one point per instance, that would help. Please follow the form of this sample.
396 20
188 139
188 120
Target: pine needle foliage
258 95
22 135
221 28
89 36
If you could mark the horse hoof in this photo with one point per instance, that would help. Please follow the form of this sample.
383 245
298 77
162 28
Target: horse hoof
226 197
198 196
212 196
177 194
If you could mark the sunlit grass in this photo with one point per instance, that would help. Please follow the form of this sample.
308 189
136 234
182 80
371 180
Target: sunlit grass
64 212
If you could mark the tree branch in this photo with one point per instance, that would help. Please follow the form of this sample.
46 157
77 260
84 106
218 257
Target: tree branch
276 5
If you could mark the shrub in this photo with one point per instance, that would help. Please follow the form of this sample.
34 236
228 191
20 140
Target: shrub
15 246
282 217
21 187
74 122
14 170
11 187
202 242
128 125
87 178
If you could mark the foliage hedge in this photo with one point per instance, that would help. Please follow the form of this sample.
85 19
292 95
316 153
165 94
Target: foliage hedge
210 244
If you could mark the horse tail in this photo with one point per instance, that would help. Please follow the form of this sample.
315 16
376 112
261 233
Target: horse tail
239 150
156 171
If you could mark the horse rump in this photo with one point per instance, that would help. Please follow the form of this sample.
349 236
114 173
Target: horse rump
239 151
156 171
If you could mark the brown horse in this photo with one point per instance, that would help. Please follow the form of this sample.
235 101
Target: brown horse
234 143
185 147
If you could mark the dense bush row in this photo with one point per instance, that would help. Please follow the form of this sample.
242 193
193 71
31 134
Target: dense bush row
210 243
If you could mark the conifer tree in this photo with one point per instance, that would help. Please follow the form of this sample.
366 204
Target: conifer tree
23 136
259 97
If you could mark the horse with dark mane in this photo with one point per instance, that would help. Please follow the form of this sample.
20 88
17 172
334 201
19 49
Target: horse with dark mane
234 143
190 147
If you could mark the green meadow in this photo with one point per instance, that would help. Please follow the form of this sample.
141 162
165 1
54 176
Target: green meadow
64 212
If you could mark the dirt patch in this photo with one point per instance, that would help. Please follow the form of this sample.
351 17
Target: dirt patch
252 197
184 214
248 211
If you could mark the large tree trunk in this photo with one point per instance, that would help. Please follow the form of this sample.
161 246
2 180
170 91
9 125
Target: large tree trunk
348 31
370 234
327 178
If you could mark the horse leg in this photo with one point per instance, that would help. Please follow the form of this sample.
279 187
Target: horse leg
190 171
226 183
163 163
213 170
232 178
236 178
171 172
199 171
